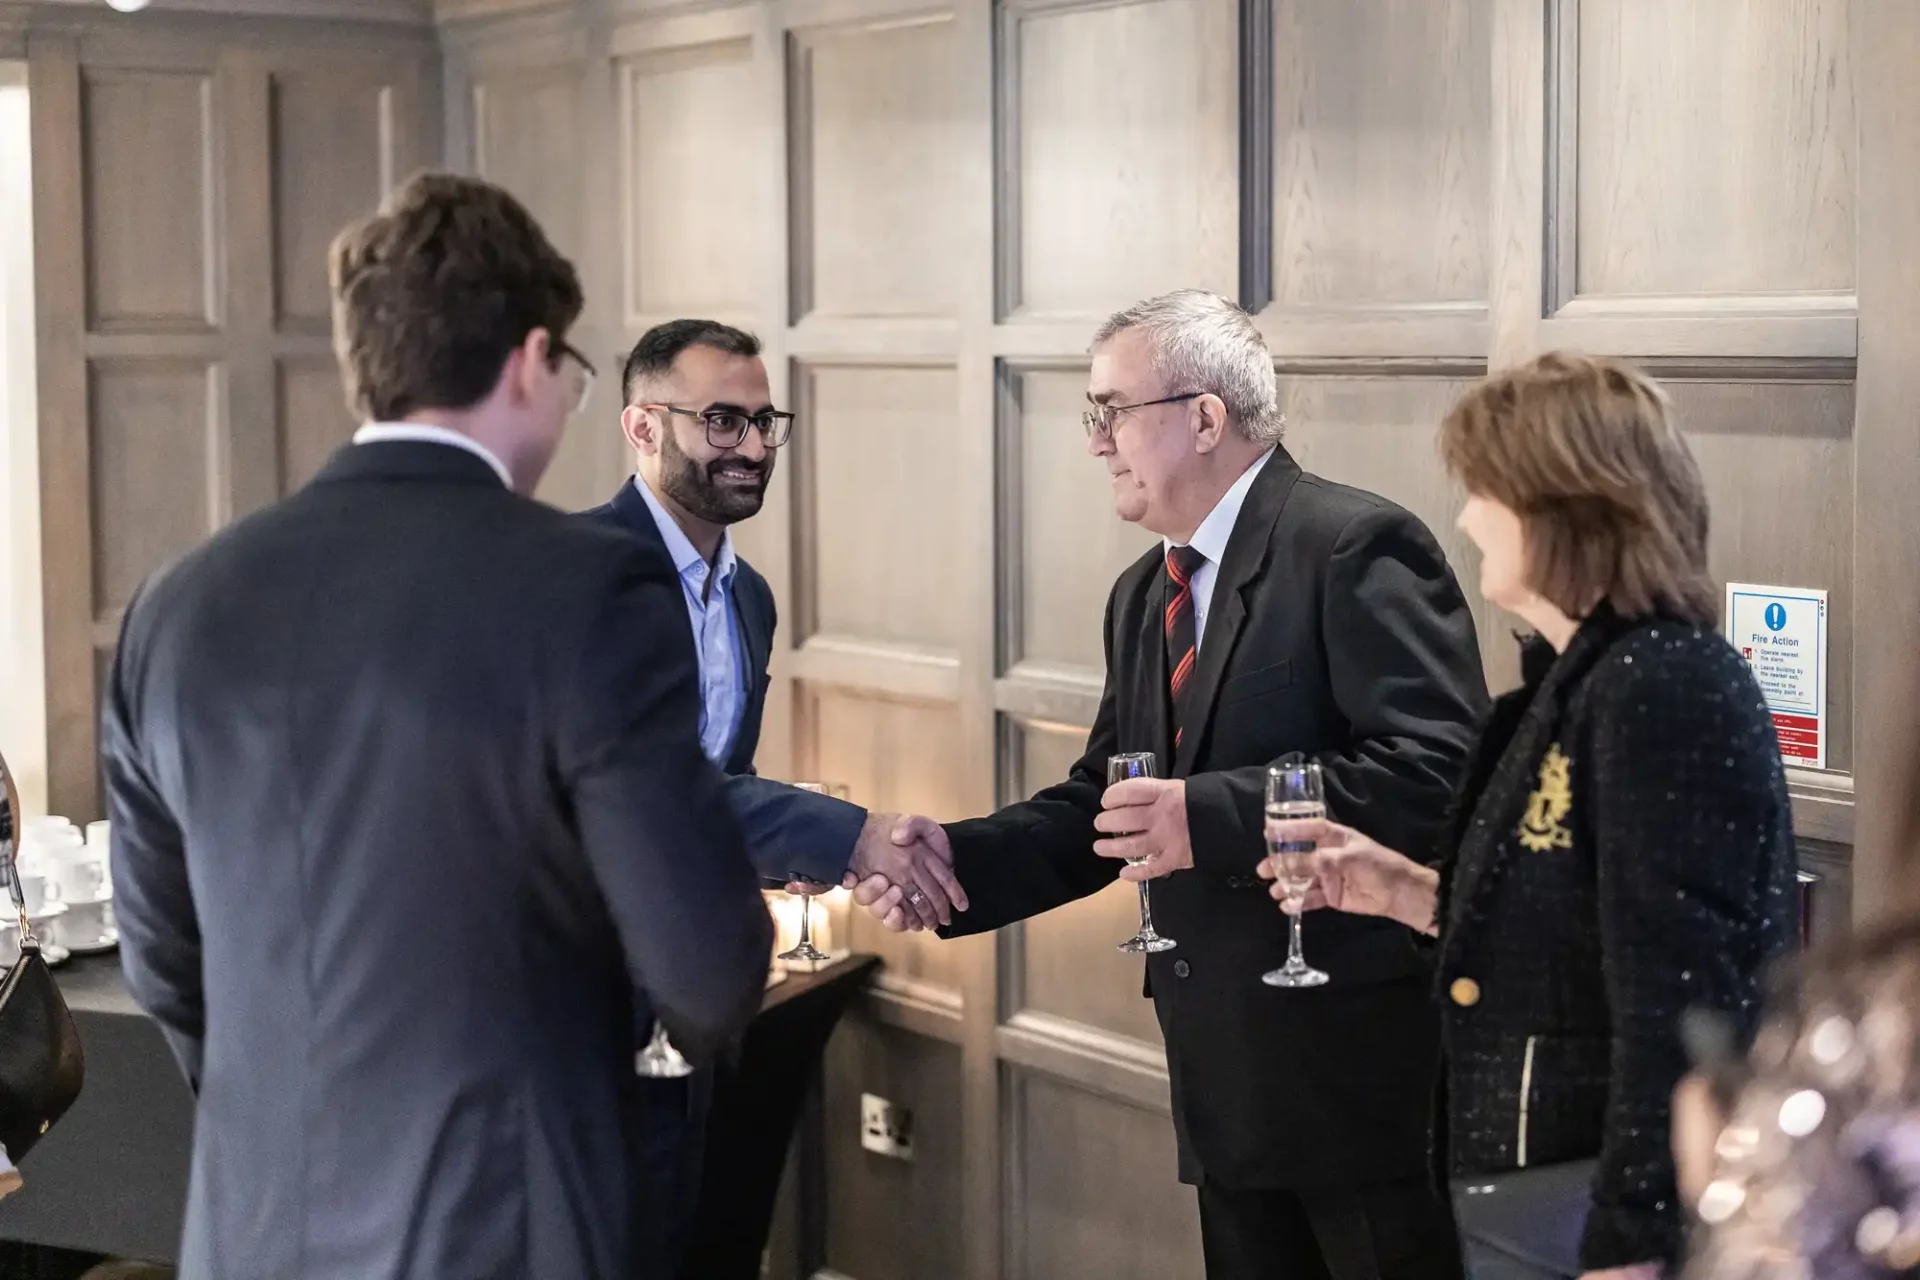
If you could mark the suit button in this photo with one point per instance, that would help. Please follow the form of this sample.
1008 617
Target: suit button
1181 968
1465 992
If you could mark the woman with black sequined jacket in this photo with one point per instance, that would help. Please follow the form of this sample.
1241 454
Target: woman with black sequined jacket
1621 846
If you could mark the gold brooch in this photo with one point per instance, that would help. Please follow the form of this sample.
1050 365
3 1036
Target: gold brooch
1541 827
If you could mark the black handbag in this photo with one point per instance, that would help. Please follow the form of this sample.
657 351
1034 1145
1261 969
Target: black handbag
1524 1224
41 1065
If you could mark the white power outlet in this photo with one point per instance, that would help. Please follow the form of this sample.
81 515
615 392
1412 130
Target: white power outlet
885 1128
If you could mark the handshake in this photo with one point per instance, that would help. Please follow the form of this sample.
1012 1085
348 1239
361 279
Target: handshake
902 865
901 871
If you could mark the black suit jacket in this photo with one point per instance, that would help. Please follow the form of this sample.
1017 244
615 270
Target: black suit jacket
1623 848
1336 629
406 800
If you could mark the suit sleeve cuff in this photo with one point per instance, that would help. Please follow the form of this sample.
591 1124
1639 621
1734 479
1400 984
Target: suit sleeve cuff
825 860
1217 831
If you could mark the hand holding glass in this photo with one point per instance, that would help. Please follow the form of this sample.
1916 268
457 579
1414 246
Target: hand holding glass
1138 764
1295 790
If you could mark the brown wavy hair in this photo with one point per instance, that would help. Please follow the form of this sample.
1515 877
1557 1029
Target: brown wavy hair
432 293
1584 449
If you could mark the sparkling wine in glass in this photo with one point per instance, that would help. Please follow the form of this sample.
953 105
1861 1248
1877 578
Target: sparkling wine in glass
1138 764
1295 790
804 949
660 1060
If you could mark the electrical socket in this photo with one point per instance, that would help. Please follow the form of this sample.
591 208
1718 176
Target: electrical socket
885 1129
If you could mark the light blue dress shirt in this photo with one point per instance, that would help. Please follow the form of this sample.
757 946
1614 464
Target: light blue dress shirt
716 630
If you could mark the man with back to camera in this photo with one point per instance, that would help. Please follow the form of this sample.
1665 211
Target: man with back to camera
698 412
1282 613
407 798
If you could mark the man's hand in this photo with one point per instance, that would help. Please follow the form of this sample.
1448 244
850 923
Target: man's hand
1358 875
1146 820
902 871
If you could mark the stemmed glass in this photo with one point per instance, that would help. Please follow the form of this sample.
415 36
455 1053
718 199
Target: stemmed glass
804 949
660 1060
1295 790
1138 764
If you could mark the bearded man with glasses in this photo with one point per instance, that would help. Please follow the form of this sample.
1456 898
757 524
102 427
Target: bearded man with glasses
698 412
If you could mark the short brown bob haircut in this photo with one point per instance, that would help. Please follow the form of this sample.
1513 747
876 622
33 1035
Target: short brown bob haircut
1585 451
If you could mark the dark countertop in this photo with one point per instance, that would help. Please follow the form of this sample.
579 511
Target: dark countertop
112 1175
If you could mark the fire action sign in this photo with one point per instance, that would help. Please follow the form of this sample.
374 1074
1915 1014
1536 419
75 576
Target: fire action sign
1782 633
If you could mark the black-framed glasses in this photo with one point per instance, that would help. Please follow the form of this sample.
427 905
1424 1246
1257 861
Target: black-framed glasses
1099 420
588 372
726 428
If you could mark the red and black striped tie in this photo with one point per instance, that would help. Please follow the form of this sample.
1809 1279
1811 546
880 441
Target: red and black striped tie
1183 648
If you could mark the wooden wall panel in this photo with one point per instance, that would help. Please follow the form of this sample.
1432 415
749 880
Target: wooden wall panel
890 1219
1070 967
880 523
313 418
892 755
526 137
333 161
1095 1192
185 180
152 215
1716 147
875 108
1381 171
155 482
1091 145
1071 545
1378 432
692 188
1777 458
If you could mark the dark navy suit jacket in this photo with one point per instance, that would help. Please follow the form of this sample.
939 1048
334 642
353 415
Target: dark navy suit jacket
787 831
407 801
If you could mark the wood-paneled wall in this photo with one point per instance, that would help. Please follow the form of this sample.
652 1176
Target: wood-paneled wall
924 207
189 172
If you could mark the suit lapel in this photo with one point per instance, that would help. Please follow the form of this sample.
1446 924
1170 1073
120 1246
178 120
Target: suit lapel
1246 557
1153 668
756 635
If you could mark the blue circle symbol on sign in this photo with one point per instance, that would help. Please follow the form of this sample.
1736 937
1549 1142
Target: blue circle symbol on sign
1776 616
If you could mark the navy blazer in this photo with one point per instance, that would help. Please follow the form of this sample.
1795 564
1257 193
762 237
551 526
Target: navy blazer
789 832
406 802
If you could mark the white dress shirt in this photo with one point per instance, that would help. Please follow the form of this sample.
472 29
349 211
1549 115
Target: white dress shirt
716 633
427 433
1210 540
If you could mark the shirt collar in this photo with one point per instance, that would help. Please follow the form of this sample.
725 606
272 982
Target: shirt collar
427 433
686 557
1210 539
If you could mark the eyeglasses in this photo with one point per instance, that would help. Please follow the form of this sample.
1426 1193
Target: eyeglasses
588 374
726 428
1099 420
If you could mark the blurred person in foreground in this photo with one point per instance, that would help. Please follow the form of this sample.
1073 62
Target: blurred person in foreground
1622 847
1804 1161
407 798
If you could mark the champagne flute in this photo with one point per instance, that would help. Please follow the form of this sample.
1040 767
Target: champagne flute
1138 764
1295 790
804 949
